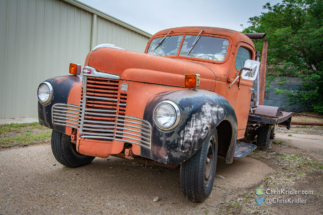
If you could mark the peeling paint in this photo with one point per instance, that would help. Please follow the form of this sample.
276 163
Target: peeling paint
199 127
60 79
201 112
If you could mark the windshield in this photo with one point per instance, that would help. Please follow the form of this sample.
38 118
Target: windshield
209 48
169 46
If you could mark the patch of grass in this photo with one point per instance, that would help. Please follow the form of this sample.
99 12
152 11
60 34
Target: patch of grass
27 138
304 129
306 119
18 134
278 143
18 127
294 167
43 135
312 113
231 204
15 125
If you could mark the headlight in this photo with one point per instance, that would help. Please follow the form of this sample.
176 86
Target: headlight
45 93
167 115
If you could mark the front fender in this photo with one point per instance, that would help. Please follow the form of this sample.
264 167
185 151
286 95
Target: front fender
201 112
61 87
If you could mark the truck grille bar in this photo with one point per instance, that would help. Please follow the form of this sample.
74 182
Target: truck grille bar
102 114
66 115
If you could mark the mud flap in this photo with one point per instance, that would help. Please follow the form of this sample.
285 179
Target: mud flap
243 149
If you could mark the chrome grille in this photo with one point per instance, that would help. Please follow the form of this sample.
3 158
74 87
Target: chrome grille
102 114
66 115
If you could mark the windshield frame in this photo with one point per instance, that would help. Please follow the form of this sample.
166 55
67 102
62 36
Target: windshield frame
203 34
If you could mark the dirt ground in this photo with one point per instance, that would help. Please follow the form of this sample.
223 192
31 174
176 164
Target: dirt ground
33 182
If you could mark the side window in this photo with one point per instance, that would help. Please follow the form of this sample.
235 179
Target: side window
242 55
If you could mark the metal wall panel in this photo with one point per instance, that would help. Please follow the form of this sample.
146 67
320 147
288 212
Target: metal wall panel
38 40
108 32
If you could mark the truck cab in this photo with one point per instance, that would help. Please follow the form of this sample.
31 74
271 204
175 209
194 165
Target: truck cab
223 53
183 102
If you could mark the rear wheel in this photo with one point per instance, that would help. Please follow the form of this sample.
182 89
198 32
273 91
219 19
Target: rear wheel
198 173
272 133
65 151
263 140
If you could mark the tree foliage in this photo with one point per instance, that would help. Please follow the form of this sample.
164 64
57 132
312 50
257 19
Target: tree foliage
294 31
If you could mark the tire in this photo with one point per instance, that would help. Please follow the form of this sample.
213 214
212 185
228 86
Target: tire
272 133
65 151
196 186
263 140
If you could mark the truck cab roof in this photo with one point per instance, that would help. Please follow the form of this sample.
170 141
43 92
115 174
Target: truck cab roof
214 48
235 36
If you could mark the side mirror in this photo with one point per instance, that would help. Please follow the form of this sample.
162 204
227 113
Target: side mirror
250 74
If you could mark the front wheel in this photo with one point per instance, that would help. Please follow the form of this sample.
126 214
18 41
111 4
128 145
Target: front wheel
65 151
198 173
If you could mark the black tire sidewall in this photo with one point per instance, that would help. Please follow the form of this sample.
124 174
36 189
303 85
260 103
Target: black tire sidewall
272 133
204 152
263 139
65 151
192 172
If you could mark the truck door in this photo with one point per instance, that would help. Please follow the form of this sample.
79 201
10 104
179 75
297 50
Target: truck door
241 96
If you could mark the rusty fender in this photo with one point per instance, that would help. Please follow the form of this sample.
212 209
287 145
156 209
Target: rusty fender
201 112
61 87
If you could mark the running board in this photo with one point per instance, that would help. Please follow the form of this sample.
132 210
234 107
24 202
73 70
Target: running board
243 149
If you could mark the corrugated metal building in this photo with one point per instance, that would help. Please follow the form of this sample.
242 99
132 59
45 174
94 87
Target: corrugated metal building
38 40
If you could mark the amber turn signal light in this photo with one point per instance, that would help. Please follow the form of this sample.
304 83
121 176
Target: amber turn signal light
75 69
192 81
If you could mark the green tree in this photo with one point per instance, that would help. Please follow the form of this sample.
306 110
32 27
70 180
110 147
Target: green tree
294 31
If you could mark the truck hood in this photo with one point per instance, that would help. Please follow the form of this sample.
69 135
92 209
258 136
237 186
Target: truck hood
147 68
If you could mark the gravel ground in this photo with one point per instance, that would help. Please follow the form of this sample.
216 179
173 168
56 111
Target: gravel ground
33 182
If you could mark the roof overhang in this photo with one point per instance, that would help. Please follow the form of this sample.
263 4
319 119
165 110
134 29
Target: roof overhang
107 17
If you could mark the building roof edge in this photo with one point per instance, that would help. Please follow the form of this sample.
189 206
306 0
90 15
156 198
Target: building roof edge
108 17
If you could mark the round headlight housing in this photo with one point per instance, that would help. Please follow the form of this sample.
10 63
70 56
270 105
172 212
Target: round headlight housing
45 93
167 115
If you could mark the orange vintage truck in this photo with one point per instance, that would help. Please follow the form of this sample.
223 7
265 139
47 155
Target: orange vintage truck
185 101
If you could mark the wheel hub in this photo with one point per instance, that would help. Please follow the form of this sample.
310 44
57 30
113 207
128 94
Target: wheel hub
209 163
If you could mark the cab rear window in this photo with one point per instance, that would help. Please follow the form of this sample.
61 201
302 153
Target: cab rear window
242 55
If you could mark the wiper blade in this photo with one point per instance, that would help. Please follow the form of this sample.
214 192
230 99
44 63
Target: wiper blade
160 42
194 43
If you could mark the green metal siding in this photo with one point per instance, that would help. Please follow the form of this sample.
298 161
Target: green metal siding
38 40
